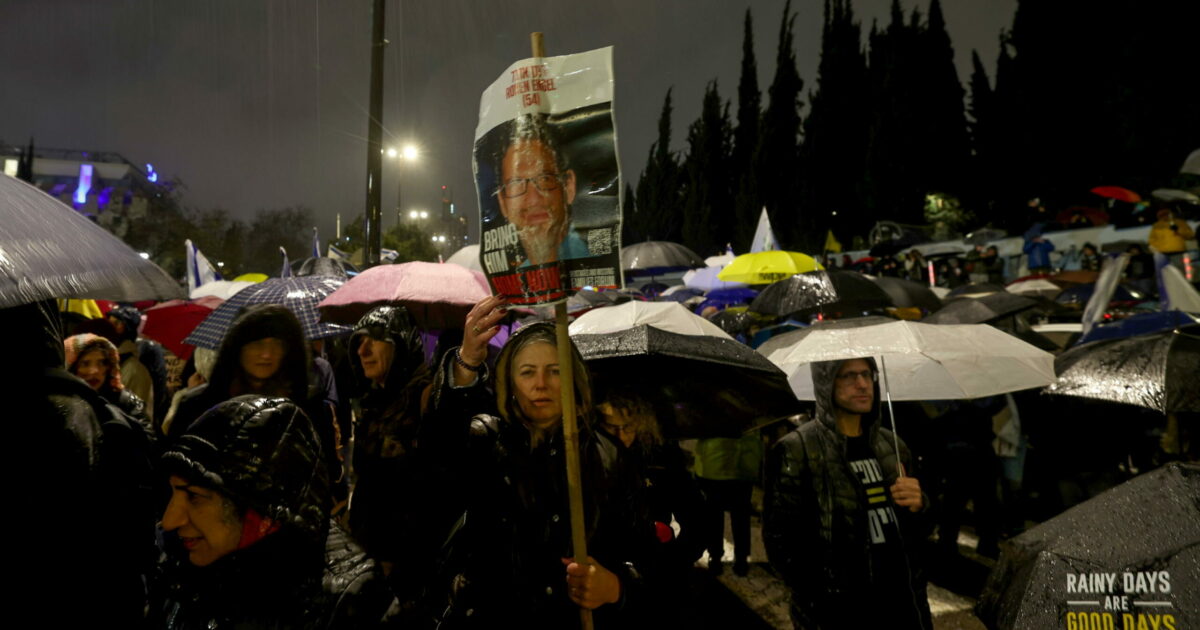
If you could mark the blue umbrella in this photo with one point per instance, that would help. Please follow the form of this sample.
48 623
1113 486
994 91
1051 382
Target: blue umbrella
300 295
1140 324
722 298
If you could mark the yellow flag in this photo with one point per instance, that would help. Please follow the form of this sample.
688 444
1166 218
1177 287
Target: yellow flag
831 243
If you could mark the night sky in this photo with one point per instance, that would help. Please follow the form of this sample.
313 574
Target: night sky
263 104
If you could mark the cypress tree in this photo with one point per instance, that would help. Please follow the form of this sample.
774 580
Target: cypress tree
658 193
945 128
833 156
707 216
745 140
776 162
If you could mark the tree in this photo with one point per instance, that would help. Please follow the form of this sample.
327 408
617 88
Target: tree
894 186
290 228
707 210
776 162
410 243
745 142
834 153
659 198
944 126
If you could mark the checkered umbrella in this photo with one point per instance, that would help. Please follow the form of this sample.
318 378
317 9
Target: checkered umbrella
299 294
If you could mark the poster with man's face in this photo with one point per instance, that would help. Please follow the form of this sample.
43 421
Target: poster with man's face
546 172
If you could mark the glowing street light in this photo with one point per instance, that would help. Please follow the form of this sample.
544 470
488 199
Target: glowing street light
410 152
391 152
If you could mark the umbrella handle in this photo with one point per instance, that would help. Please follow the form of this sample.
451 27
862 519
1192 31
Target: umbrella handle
887 392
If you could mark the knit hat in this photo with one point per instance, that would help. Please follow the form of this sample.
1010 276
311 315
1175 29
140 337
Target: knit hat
80 345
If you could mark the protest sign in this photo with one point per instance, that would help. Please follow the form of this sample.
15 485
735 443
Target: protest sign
547 177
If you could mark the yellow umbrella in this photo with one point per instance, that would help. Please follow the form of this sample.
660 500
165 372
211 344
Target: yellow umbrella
87 308
251 277
767 267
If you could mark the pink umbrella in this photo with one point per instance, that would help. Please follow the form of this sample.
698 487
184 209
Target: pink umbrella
438 295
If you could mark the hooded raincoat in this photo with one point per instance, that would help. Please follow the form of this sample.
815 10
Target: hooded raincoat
816 527
264 455
397 510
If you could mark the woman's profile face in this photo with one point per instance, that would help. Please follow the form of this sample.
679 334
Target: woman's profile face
93 368
535 383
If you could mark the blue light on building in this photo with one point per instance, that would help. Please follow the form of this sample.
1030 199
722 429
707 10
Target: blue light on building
150 174
85 183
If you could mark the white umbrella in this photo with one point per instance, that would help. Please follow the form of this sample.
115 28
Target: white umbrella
706 280
466 257
1036 286
223 289
719 261
919 361
668 316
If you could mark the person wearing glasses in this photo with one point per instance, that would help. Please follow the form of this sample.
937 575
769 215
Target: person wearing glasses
536 190
843 521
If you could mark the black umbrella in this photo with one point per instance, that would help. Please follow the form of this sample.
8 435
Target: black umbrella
653 258
714 386
1128 558
974 288
909 294
1158 371
856 293
796 293
981 309
47 250
734 322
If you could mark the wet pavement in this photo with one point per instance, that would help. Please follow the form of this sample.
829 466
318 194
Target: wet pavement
762 593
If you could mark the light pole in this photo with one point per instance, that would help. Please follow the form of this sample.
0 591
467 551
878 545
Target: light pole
408 153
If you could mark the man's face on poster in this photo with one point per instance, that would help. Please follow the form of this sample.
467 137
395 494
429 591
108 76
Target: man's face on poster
534 197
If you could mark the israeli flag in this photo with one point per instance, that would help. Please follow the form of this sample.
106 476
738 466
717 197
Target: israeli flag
199 270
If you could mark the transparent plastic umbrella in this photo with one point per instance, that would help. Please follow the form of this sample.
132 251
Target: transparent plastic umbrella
47 250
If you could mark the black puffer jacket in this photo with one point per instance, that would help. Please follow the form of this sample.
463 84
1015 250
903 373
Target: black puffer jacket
814 524
265 455
67 483
505 559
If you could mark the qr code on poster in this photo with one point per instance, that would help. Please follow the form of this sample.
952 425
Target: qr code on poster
600 241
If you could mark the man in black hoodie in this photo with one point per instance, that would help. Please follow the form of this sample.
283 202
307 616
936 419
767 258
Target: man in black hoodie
842 519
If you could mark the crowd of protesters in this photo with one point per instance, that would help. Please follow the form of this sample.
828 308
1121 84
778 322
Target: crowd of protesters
288 483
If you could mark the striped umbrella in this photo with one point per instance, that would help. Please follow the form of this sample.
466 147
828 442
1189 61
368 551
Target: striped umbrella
298 294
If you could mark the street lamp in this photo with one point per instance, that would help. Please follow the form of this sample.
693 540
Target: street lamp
410 153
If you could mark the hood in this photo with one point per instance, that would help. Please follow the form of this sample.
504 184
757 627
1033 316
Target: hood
259 322
395 325
39 344
263 453
534 333
80 345
823 373
1035 231
131 317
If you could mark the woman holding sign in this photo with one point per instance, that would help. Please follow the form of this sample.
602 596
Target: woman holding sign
508 559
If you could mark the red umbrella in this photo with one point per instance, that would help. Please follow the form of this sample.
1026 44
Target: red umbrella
171 322
438 295
1118 193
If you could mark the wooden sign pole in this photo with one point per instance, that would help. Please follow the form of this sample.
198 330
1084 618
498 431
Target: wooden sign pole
566 379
